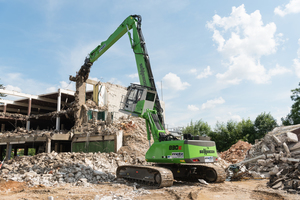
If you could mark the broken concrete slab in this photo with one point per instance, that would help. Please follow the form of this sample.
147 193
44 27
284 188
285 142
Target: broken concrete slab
286 148
294 147
276 139
291 137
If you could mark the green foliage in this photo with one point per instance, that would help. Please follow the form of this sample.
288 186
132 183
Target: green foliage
31 152
247 128
2 87
198 128
263 123
294 116
227 134
221 136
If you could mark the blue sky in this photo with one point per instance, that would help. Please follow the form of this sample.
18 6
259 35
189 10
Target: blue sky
217 60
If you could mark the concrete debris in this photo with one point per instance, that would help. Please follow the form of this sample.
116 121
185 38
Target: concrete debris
54 169
203 181
84 169
276 156
99 128
19 132
13 116
222 163
90 127
134 135
80 169
22 117
279 143
53 114
236 153
291 137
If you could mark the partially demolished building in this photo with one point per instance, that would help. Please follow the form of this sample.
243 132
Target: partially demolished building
62 121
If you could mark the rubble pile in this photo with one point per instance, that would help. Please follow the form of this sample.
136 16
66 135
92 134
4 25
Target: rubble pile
236 153
277 156
222 163
13 115
133 129
19 132
80 168
53 114
134 135
100 127
53 169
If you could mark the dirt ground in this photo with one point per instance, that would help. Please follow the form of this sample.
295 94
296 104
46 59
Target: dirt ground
122 190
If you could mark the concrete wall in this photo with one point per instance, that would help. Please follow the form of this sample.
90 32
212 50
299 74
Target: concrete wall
102 95
118 140
114 95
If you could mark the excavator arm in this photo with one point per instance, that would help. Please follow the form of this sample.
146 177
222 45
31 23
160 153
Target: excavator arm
131 23
137 44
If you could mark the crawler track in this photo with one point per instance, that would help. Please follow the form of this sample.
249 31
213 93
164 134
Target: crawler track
220 172
162 175
158 176
194 171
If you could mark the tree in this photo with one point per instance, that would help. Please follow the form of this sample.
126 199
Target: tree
227 134
224 135
247 129
221 136
2 87
197 128
263 123
294 116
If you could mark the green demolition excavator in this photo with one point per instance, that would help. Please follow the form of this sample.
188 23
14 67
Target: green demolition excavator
188 159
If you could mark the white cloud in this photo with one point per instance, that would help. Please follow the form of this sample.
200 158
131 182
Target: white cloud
67 86
206 72
51 89
236 118
296 61
115 81
18 82
13 88
193 108
63 85
298 51
292 7
248 40
193 71
172 81
297 67
212 103
278 70
133 75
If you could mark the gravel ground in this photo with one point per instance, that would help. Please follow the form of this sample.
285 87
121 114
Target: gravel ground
122 190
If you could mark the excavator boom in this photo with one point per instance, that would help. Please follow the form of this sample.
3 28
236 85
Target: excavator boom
138 45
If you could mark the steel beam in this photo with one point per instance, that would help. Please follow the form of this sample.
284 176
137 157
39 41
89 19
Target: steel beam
19 94
25 104
58 109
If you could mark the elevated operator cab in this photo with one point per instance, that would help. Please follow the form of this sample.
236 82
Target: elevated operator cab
137 100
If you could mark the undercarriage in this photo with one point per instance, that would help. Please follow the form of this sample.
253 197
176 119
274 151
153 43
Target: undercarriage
163 175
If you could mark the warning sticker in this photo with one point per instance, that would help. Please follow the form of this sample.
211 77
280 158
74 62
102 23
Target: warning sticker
177 155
